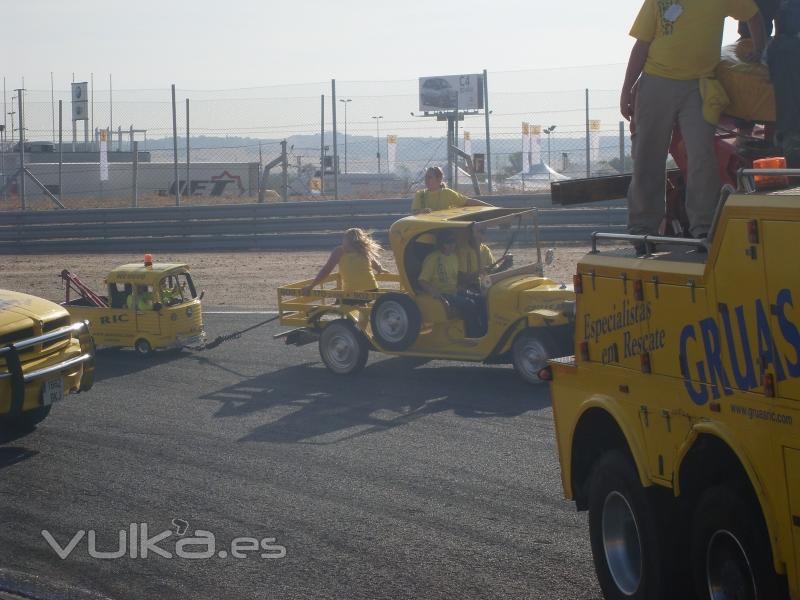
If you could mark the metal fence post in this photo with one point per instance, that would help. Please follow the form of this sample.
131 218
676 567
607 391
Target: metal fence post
20 105
135 174
335 150
588 149
486 112
60 150
622 146
175 148
285 172
260 174
322 145
188 159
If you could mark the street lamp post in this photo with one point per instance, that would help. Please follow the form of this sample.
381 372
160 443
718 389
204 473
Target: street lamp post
378 129
345 101
549 132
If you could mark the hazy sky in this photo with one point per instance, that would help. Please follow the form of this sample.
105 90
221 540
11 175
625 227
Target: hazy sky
247 43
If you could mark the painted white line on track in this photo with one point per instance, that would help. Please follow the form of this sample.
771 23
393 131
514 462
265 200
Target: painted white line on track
240 312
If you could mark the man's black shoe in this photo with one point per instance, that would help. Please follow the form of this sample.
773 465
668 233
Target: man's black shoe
644 248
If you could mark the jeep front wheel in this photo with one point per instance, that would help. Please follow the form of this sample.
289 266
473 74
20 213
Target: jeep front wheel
530 356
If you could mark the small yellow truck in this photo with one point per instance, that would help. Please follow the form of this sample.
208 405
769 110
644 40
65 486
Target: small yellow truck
528 317
43 357
678 417
148 306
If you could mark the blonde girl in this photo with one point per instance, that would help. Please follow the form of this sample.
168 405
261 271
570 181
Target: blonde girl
358 263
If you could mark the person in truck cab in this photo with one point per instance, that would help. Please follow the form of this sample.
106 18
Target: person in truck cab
439 278
677 47
437 196
144 299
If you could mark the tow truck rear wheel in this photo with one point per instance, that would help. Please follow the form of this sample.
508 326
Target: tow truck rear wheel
623 532
530 356
730 549
26 421
143 347
343 348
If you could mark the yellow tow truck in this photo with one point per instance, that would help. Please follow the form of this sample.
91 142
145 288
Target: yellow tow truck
43 357
528 317
678 417
148 306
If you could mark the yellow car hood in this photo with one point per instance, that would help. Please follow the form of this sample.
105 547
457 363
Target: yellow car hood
16 308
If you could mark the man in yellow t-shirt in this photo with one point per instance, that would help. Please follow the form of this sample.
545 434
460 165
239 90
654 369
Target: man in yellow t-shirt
439 278
437 196
677 44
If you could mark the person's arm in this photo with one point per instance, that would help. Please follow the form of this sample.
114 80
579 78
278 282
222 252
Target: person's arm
329 266
758 33
636 63
431 289
416 205
377 267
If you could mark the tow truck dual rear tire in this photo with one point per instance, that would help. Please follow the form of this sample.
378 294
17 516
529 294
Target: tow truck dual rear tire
625 542
343 348
731 552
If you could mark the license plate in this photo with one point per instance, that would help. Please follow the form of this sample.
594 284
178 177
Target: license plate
52 391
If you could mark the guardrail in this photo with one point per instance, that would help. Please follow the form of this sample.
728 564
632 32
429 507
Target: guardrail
281 226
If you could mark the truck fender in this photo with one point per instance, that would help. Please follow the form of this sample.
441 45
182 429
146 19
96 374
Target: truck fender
722 432
630 431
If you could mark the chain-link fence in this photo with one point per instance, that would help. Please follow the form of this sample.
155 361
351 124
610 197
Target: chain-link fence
382 145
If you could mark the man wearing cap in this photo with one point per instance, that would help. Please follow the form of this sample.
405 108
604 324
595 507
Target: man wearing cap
437 196
676 51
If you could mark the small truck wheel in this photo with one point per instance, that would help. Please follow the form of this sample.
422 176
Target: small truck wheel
343 348
530 356
143 347
395 321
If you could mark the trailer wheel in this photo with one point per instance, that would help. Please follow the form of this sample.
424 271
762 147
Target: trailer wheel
343 348
530 356
730 549
26 421
143 347
395 321
623 532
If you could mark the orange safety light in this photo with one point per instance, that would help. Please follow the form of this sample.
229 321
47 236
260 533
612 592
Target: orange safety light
766 182
752 231
577 283
148 260
769 385
638 290
645 359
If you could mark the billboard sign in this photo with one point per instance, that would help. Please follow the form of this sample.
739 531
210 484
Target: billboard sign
451 92
80 101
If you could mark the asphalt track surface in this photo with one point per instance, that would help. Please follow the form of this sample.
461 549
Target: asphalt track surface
409 480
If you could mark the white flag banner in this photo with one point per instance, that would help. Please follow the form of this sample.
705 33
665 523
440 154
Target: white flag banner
103 155
391 152
594 141
467 143
536 144
526 148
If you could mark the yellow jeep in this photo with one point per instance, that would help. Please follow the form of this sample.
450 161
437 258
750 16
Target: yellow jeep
43 357
528 318
148 306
